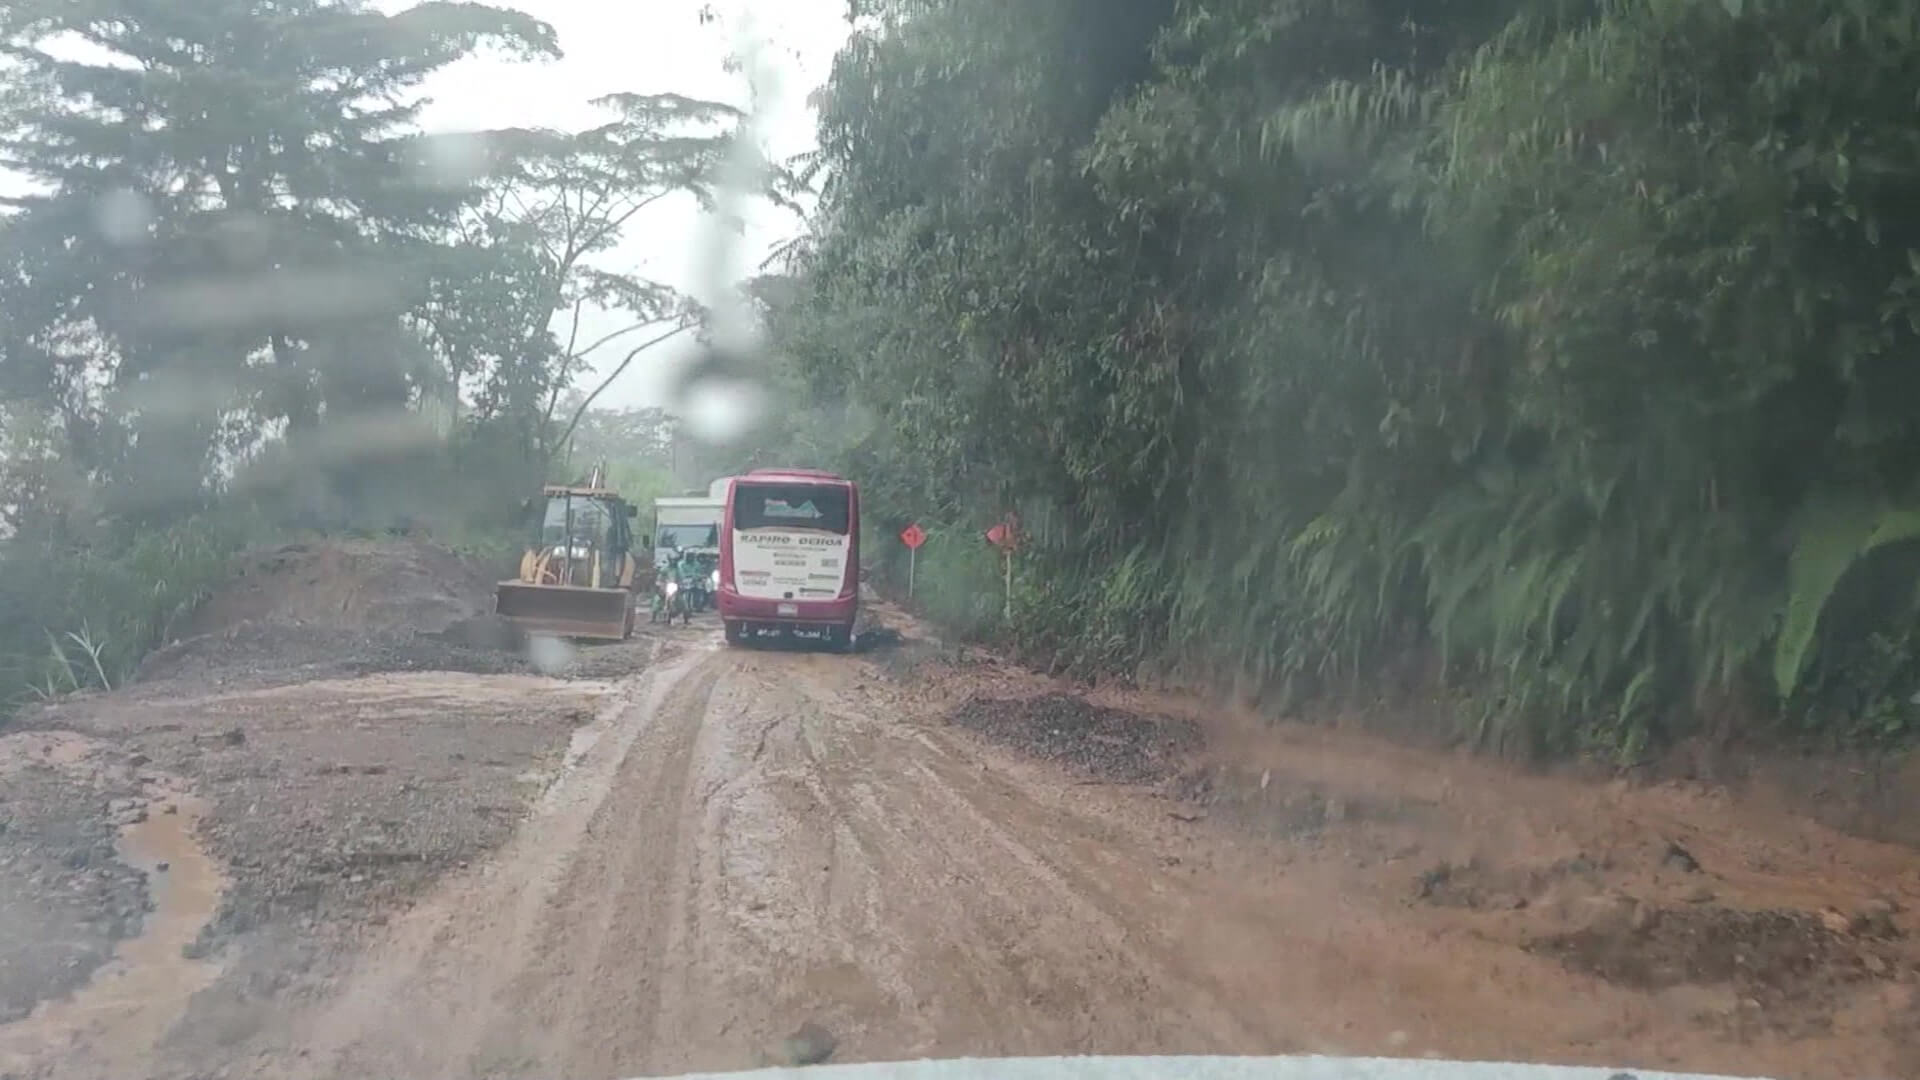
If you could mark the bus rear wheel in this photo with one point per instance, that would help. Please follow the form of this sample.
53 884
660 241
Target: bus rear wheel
736 632
840 639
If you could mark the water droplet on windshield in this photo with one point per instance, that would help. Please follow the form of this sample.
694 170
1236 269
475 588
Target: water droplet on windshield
549 655
123 217
722 410
454 160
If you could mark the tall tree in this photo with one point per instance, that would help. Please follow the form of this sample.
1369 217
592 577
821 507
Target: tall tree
230 205
562 203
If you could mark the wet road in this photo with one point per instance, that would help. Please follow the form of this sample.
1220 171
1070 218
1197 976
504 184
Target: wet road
741 842
745 841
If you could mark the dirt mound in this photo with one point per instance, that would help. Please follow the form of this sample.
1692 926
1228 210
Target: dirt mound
367 585
1097 742
339 608
276 652
1783 961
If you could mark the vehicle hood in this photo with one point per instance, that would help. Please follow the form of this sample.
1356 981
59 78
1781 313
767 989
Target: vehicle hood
1205 1068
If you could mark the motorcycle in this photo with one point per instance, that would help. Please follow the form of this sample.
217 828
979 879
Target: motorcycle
702 589
702 581
669 599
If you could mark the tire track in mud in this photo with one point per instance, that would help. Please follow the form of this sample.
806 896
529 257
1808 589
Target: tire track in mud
682 928
605 975
771 852
1193 1013
989 946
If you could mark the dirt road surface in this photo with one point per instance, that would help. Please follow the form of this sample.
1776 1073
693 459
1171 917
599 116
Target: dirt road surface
918 854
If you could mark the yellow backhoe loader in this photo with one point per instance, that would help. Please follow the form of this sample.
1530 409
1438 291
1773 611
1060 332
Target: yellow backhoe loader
579 576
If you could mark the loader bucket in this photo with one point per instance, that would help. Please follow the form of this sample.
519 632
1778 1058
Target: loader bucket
568 611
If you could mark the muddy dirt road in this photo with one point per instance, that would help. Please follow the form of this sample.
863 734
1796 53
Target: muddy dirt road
753 840
740 842
748 841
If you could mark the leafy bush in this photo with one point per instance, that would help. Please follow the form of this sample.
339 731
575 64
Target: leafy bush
82 617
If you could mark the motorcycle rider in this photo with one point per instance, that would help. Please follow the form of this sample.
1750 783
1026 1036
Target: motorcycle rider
682 571
668 574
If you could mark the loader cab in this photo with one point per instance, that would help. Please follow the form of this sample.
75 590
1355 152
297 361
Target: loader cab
585 535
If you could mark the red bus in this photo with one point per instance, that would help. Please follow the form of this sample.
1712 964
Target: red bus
790 556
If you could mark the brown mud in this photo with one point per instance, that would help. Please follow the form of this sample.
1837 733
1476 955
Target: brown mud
691 861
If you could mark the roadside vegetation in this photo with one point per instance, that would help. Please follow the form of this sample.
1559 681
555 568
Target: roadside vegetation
1546 363
243 297
1557 358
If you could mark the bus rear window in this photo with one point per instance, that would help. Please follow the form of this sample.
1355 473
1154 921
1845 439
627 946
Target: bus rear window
790 506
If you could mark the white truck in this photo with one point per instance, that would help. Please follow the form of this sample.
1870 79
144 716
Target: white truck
688 521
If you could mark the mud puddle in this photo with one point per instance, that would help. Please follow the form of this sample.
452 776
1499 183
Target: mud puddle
119 1017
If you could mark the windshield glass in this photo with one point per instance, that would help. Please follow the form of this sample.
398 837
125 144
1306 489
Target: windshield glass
590 521
687 536
1385 527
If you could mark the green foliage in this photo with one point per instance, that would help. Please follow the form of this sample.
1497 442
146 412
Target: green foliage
1869 693
956 579
1561 345
81 616
1831 539
241 283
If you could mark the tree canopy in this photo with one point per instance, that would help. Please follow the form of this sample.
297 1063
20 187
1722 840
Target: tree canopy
239 281
1556 355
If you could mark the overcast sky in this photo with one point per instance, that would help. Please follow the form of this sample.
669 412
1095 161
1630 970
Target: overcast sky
656 46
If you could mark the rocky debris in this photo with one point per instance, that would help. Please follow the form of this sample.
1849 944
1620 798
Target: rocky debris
1476 885
1678 858
277 654
1285 810
1789 962
1875 919
876 638
341 801
66 899
489 633
124 812
330 802
1088 739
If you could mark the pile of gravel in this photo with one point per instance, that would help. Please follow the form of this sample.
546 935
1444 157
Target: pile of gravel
1096 742
277 653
